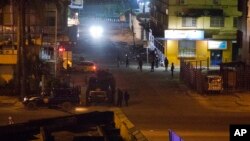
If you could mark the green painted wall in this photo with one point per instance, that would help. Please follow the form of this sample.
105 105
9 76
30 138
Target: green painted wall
227 54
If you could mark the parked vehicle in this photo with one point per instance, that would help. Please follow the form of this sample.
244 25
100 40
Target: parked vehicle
63 98
101 88
85 66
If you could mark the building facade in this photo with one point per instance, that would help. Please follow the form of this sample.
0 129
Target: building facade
244 30
40 35
198 29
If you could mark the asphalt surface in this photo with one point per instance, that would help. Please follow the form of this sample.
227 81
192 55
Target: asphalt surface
159 102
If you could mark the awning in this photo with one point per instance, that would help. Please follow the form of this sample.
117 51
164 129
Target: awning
201 12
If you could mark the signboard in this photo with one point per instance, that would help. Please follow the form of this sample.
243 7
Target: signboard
184 34
219 45
76 4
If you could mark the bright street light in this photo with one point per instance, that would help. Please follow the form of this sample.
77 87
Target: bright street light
96 31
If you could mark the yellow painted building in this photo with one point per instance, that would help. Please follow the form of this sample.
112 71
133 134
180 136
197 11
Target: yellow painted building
215 20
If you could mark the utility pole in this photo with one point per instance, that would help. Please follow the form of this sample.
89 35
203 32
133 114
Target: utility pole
21 49
132 27
55 49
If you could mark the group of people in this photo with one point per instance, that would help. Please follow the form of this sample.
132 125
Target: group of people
122 96
154 63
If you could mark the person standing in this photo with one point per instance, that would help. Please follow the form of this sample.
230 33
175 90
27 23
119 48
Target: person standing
126 97
138 60
157 61
166 63
152 65
172 70
140 64
127 61
119 97
118 61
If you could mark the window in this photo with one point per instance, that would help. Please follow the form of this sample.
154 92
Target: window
216 1
183 1
188 22
51 21
187 48
1 18
216 22
235 22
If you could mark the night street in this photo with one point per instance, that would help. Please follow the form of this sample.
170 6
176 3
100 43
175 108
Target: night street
159 103
97 48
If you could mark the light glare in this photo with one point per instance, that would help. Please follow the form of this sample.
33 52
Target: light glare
96 31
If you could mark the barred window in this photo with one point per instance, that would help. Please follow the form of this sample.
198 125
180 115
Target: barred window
51 21
1 18
182 1
216 22
235 22
188 22
216 1
187 48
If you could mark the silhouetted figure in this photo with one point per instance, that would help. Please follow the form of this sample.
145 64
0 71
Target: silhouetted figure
152 65
166 63
126 97
172 70
138 60
140 64
119 97
156 61
118 61
127 61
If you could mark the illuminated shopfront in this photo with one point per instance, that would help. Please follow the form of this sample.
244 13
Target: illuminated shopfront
191 44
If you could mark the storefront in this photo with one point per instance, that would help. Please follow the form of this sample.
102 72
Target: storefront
191 44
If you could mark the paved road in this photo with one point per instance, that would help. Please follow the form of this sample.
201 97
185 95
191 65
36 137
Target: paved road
159 103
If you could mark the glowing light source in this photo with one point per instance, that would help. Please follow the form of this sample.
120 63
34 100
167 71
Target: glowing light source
96 31
61 49
81 109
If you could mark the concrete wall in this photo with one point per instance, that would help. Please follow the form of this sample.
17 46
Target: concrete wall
128 130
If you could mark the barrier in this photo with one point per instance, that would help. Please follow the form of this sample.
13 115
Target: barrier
128 131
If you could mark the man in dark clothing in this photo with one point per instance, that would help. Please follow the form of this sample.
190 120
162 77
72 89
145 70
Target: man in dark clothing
152 65
127 61
126 97
119 97
172 70
118 61
138 60
166 63
156 61
140 64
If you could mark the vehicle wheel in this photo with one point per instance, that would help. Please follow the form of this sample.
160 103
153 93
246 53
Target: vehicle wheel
31 106
66 106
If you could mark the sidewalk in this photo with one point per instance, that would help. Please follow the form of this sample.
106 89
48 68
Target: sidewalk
231 102
6 101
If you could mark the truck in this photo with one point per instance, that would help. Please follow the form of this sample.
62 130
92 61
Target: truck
101 88
63 98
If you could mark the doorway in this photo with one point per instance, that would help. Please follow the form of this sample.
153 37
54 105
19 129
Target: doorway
216 57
